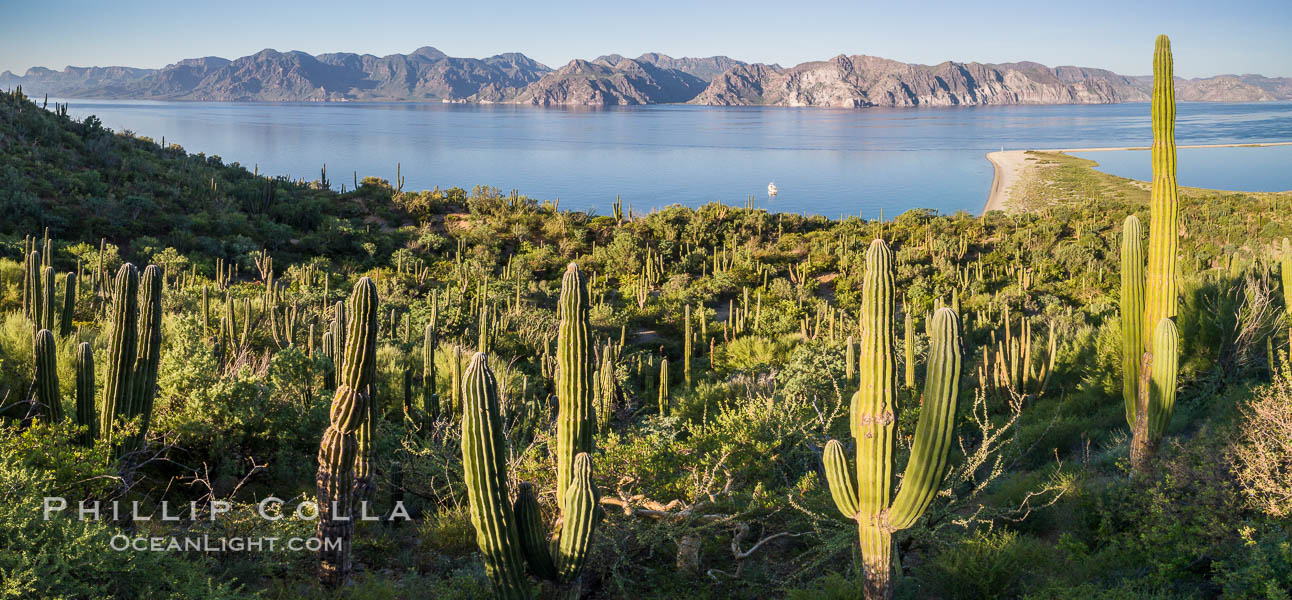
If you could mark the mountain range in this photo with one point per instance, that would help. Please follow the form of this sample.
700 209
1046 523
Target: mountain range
427 74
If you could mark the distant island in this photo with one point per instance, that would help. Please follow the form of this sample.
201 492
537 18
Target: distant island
428 75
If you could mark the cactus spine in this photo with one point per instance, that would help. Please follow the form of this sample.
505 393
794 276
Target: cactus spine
868 498
85 392
485 471
1161 274
338 449
46 374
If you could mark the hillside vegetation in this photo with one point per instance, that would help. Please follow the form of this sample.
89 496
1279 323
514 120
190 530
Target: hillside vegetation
301 343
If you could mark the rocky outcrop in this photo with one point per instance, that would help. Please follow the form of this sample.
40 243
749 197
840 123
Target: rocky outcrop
860 81
705 68
612 80
427 74
270 76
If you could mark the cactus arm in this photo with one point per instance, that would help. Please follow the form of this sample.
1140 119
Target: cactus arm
839 477
1132 311
534 543
1166 360
928 463
485 471
579 515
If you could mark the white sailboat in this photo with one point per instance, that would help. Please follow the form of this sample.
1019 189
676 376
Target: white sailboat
771 189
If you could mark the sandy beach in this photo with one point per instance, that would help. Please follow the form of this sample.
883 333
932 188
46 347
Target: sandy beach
1010 164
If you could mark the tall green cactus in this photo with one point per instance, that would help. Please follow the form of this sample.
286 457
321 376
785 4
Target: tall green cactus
575 424
34 299
484 468
46 375
867 497
48 294
69 306
143 378
1160 288
1132 311
338 449
664 400
686 349
430 399
85 393
122 348
1285 270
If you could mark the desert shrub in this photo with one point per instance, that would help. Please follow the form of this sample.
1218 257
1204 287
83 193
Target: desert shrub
1262 457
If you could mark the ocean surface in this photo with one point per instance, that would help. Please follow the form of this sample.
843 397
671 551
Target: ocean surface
823 161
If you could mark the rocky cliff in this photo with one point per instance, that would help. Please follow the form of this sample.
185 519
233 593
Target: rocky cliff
427 74
860 81
611 80
269 75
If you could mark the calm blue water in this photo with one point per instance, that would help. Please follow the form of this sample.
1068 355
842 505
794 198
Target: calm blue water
1246 169
824 161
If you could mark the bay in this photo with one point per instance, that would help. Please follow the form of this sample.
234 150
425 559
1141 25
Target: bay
824 161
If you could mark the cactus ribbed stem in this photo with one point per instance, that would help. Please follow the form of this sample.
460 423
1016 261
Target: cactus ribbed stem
873 414
122 348
46 375
1164 209
337 451
485 471
69 306
48 294
430 399
664 400
143 379
908 342
1132 311
575 423
85 416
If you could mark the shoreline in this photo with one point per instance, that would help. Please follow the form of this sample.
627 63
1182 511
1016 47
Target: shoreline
1008 166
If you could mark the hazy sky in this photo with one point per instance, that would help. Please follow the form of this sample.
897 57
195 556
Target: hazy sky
1209 37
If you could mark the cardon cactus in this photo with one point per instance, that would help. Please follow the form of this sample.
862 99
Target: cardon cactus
430 399
337 451
1132 311
1160 288
1285 271
575 424
46 374
122 348
48 294
143 379
867 497
85 416
69 306
484 468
